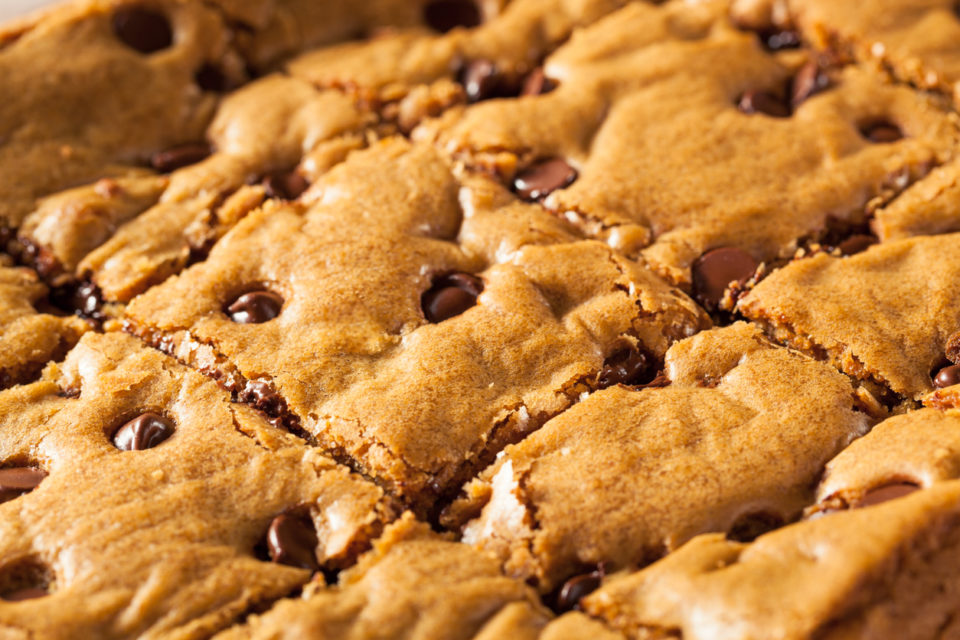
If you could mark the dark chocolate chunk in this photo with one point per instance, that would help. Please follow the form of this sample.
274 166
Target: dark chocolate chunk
292 540
577 588
628 366
450 295
763 102
715 270
255 307
881 132
947 377
480 80
810 80
285 186
142 29
30 593
543 178
856 244
16 481
778 40
143 432
444 15
209 77
537 83
887 492
179 157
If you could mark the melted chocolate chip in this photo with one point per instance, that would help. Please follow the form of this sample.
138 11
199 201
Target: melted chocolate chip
255 307
179 157
780 40
577 588
810 80
450 295
285 186
16 481
543 178
143 432
444 15
144 30
887 492
480 80
763 102
29 593
947 377
881 132
716 269
537 83
209 77
751 526
263 396
856 244
628 366
292 540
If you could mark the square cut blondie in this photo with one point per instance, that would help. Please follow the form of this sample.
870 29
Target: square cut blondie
885 571
136 499
411 324
626 476
884 316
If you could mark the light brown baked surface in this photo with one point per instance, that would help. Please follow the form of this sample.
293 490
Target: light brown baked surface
480 319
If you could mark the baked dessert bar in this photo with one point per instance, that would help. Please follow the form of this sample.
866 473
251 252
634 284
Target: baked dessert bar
479 319
181 500
424 381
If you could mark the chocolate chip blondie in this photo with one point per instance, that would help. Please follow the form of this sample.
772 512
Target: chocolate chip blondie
480 319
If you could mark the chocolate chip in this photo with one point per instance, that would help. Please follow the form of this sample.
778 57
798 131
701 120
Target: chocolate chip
450 295
179 157
887 492
751 526
947 377
716 269
255 307
763 102
543 178
16 481
292 540
480 80
444 15
577 588
143 432
262 395
142 29
881 132
628 366
29 593
210 78
537 83
285 186
856 244
810 80
780 40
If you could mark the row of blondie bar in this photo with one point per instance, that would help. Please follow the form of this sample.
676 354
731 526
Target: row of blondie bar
658 322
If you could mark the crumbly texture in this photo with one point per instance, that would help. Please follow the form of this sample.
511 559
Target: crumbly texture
413 584
892 331
413 403
480 319
885 571
29 339
668 165
200 501
915 39
628 475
